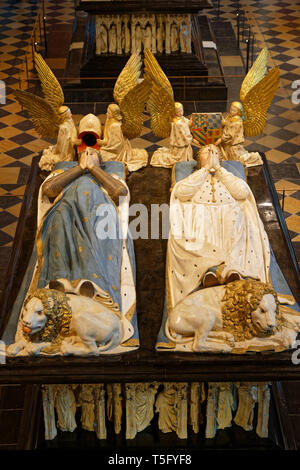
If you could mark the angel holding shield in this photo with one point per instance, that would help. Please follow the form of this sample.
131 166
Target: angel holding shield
167 118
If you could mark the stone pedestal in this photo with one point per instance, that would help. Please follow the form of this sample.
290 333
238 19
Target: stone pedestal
170 29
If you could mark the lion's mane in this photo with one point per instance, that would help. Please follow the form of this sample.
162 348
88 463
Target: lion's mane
237 309
58 312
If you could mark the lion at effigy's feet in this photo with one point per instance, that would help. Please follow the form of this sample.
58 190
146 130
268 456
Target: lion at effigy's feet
217 319
54 322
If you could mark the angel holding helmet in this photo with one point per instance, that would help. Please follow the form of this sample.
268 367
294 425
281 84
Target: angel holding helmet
249 115
51 119
167 118
124 119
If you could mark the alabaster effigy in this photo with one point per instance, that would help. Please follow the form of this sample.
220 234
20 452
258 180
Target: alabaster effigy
224 290
79 290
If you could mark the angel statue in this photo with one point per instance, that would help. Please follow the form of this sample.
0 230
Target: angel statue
248 117
124 120
51 119
167 118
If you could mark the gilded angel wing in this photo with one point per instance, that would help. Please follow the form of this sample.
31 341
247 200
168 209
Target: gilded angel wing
132 96
161 101
132 108
257 102
255 74
45 120
128 77
152 67
50 85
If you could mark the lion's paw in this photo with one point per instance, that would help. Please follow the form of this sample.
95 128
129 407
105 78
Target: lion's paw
33 349
15 348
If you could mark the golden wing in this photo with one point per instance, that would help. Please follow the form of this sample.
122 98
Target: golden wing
128 77
45 121
161 101
153 68
255 74
132 107
50 85
257 102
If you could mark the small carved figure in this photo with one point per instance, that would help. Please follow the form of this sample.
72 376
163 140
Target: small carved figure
65 405
174 38
87 403
100 415
48 392
160 37
115 146
125 119
165 405
180 148
138 38
167 118
184 38
249 115
127 38
112 39
147 37
247 393
51 119
144 402
263 397
103 39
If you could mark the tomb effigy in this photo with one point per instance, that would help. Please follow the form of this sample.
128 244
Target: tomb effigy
85 316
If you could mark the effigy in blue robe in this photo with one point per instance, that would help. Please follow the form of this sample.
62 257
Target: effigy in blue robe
81 238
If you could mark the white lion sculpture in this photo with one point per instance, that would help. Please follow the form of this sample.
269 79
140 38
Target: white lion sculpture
218 318
65 323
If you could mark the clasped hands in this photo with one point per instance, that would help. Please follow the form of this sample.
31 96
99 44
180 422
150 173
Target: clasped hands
89 161
210 161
